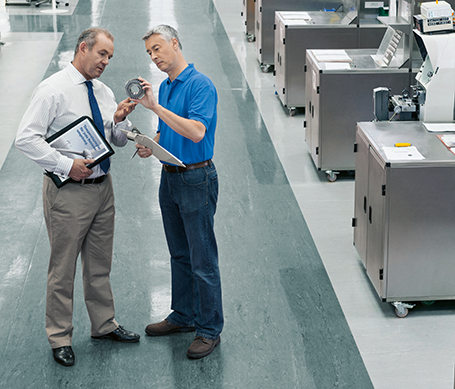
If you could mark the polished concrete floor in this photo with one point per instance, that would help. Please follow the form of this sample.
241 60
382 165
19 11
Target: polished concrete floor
299 309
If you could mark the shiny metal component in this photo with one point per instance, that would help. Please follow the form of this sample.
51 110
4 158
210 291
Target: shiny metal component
402 309
136 131
134 89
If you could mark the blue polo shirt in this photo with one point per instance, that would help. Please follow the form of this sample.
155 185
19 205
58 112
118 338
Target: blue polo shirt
191 95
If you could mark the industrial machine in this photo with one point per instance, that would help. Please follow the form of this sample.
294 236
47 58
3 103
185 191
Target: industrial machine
338 95
265 18
403 212
405 172
353 24
432 98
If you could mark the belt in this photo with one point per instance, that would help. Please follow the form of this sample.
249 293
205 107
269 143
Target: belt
97 180
179 169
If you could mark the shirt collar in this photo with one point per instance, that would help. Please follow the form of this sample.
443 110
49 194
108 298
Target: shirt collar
183 76
75 75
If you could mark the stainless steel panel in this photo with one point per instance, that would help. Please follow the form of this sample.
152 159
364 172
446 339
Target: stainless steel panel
312 121
361 202
248 16
382 134
290 58
376 223
265 20
421 257
370 36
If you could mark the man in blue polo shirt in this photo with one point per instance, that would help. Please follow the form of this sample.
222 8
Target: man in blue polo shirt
188 196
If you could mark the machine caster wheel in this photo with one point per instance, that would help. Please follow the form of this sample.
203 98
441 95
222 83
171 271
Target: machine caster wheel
402 313
251 38
292 111
331 175
266 68
429 302
402 309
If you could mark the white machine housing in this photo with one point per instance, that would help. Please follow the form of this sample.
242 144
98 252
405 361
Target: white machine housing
437 16
437 76
435 9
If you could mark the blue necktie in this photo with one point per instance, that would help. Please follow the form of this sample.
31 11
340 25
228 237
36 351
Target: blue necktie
97 118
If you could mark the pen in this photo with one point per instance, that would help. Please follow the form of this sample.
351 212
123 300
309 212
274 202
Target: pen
134 154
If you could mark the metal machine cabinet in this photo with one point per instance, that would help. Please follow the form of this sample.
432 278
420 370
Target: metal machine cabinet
336 99
265 19
355 24
293 36
403 221
248 17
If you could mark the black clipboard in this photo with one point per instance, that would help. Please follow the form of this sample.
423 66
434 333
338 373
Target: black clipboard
79 140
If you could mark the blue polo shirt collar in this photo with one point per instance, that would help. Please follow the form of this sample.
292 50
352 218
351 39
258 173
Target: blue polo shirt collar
183 76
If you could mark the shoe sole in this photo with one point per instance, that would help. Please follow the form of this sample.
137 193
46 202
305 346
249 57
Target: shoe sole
62 363
115 340
202 355
150 333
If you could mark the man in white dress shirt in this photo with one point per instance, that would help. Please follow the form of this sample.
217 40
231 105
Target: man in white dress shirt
79 215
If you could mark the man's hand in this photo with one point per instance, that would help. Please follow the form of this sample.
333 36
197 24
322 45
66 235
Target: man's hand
148 101
124 108
79 171
143 151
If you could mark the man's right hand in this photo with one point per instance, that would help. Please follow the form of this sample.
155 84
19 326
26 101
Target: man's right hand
79 171
143 151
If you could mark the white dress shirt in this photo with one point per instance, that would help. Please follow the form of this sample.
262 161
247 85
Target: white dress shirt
57 102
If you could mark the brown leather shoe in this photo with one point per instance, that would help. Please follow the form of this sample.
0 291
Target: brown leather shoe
165 328
201 347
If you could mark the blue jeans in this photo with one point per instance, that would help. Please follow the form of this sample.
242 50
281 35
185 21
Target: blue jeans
188 205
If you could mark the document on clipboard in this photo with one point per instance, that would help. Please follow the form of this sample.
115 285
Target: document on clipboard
158 151
79 140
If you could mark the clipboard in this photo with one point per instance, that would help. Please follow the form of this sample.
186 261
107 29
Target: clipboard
158 151
79 140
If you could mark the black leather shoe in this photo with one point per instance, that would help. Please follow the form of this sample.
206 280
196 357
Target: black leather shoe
120 335
64 355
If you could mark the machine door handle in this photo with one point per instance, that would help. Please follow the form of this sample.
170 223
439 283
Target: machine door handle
365 204
370 215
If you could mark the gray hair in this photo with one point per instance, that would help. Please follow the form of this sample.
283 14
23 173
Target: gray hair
166 32
89 37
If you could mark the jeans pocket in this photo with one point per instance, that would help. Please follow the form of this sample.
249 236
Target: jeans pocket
197 177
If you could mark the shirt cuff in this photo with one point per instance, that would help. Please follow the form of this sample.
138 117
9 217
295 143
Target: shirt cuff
118 135
64 166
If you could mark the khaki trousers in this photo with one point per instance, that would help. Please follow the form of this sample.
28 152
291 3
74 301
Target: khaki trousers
79 219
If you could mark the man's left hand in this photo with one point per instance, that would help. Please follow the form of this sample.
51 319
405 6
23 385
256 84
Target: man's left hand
124 108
